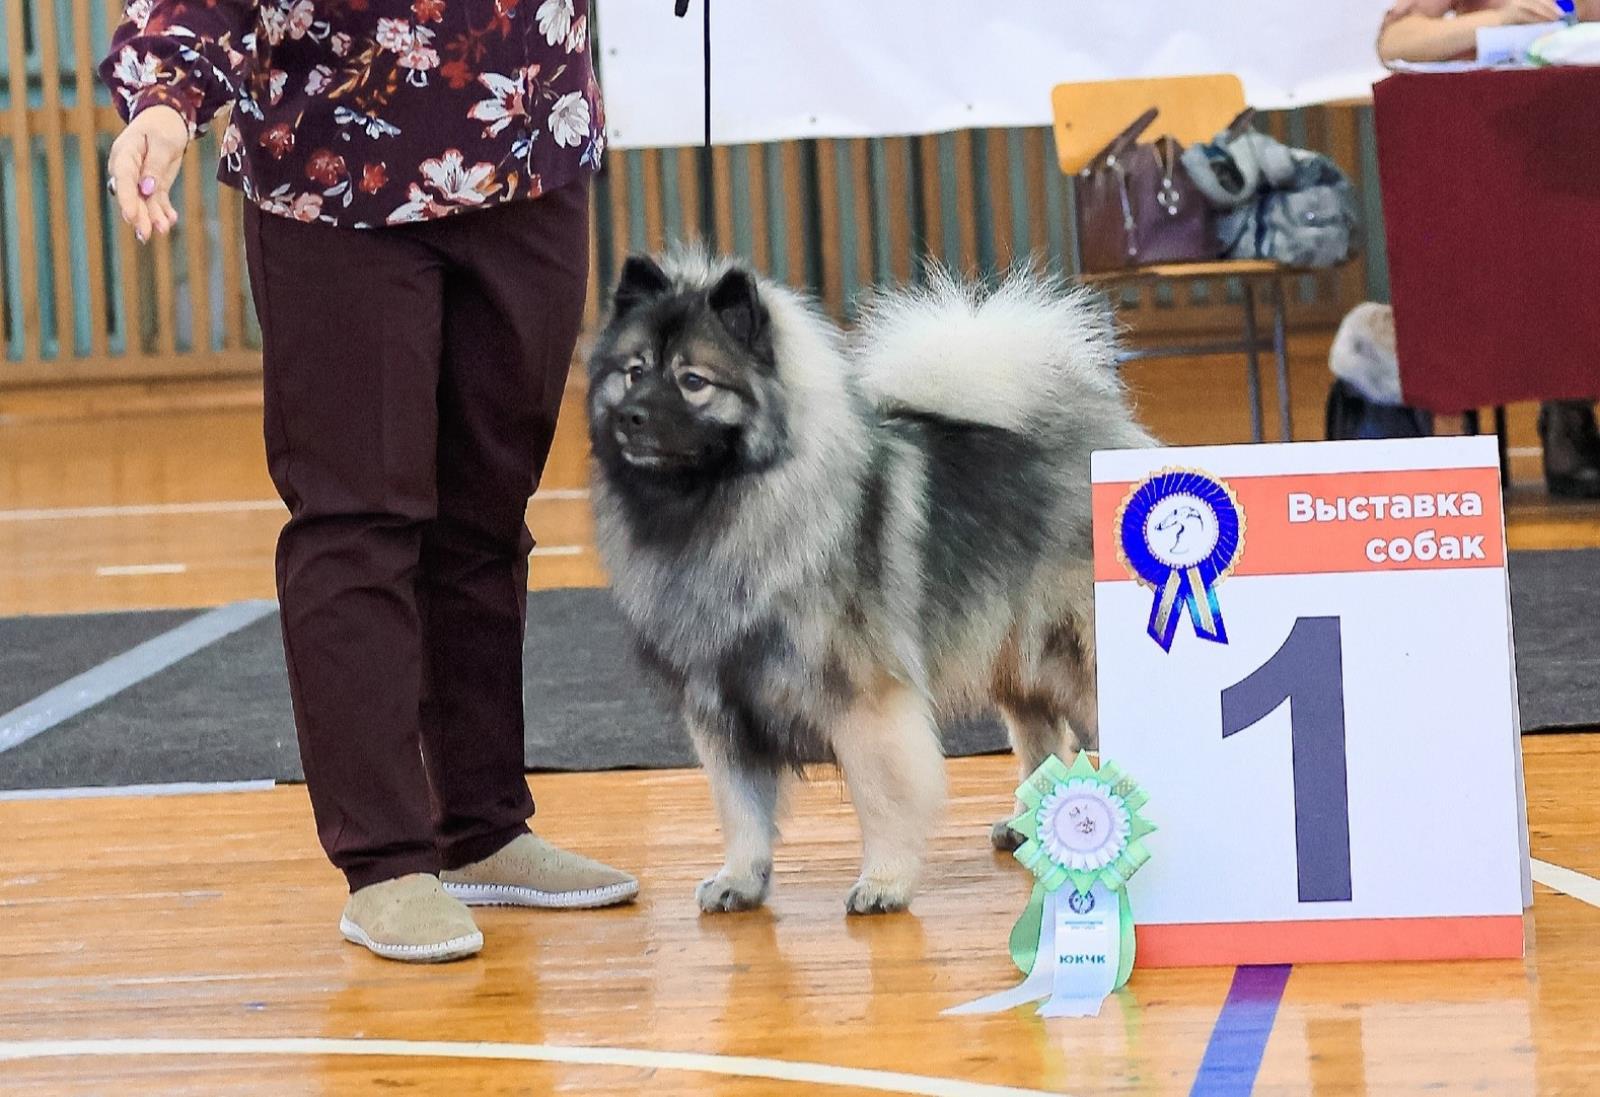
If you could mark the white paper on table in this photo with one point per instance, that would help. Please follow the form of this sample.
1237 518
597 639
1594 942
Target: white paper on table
1509 45
1436 66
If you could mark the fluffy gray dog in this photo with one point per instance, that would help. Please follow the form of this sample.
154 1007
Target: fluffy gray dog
821 544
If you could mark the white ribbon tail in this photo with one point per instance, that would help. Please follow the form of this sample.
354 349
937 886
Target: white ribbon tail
1075 970
1039 981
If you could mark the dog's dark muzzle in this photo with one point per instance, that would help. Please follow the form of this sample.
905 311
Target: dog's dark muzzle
650 436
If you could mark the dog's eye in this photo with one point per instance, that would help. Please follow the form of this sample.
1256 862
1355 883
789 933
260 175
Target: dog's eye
634 374
693 382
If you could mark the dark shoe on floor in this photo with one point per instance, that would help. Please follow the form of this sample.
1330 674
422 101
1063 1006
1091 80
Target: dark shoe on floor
1571 444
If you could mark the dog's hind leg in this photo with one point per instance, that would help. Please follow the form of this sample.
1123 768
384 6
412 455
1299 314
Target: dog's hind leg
889 752
1037 730
1079 696
747 800
1056 712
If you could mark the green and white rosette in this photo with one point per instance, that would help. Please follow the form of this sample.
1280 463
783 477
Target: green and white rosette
1084 839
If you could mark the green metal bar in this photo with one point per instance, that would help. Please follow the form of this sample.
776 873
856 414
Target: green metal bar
45 262
1058 215
920 214
813 226
878 171
849 232
78 230
116 320
1021 222
777 227
210 203
66 49
671 199
980 187
744 236
12 260
949 187
604 228
100 32
1377 244
636 200
182 286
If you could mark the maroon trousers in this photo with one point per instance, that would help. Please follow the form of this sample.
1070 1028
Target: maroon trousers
413 375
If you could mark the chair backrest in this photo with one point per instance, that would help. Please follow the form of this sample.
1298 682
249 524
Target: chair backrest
1087 116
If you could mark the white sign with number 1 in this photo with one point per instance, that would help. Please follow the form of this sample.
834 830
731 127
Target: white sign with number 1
1305 656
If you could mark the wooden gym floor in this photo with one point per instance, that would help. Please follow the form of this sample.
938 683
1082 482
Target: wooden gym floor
187 944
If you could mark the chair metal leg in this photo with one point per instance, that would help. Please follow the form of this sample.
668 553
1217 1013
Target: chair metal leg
1280 351
1500 438
1252 360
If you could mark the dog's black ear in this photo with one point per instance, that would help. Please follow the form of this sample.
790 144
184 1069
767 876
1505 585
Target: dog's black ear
737 303
642 280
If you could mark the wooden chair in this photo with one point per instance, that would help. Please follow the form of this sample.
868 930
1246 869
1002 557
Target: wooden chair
1193 109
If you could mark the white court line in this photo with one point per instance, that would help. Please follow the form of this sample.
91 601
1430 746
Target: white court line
558 550
736 1066
1585 889
149 510
113 570
179 788
234 506
133 666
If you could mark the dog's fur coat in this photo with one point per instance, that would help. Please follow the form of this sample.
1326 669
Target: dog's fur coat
821 543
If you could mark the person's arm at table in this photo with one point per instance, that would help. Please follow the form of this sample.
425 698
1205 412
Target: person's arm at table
1426 33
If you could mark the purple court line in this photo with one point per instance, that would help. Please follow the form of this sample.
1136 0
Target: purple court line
1239 1038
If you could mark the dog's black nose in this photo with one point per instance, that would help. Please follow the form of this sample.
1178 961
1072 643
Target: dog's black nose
636 417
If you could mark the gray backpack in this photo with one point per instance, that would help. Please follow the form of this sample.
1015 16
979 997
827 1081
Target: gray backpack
1274 202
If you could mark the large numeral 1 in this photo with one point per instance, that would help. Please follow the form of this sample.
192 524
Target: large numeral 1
1308 672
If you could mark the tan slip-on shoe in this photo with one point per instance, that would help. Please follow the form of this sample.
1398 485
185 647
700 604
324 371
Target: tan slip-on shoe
530 872
412 919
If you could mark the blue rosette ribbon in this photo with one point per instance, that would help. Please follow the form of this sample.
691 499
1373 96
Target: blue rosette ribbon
1180 532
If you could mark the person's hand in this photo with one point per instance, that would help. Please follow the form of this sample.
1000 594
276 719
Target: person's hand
1530 11
144 161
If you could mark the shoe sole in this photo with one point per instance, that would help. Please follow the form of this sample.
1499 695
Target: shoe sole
456 948
506 895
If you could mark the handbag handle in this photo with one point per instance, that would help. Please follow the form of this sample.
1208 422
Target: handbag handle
1122 141
1241 124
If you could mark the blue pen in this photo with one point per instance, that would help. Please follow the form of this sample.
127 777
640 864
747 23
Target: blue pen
1569 11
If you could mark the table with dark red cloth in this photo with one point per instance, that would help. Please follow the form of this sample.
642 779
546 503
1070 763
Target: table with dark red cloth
1491 200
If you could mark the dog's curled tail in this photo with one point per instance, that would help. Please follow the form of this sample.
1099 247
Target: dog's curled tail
1020 355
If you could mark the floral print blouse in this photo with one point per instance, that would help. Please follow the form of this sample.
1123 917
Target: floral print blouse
373 112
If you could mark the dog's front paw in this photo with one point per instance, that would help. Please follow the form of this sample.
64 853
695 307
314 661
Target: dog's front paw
729 890
879 895
1003 838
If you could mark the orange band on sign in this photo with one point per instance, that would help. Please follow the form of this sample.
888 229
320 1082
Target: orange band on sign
1345 522
1330 941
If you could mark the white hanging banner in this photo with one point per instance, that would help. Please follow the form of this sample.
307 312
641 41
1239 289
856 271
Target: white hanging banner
843 68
